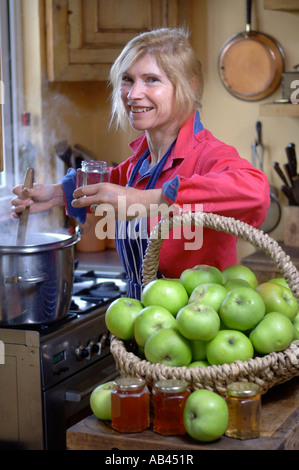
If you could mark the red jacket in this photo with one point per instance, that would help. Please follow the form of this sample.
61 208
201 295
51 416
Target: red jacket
203 170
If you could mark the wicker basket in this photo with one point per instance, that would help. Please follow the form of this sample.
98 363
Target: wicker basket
266 371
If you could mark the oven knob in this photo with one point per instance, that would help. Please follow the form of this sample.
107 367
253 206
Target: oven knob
82 353
94 348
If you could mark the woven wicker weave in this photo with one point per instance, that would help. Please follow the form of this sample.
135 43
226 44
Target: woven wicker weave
266 371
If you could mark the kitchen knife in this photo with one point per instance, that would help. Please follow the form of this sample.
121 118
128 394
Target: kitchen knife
292 160
259 148
288 172
288 193
279 171
259 132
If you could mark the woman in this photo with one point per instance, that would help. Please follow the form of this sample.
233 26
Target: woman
157 88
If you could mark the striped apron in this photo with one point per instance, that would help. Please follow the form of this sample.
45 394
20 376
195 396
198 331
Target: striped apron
131 237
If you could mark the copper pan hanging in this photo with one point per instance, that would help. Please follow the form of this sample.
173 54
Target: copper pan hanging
250 63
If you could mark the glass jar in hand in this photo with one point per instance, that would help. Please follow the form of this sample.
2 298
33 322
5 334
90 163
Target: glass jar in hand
130 405
169 397
92 172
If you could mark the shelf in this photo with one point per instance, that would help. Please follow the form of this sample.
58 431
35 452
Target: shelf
282 5
279 109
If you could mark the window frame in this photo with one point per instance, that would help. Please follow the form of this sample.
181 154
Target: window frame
12 77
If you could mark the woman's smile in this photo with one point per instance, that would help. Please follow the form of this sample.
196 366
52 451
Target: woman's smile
135 109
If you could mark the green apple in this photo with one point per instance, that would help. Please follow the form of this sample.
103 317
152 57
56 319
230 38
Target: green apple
296 326
198 364
140 352
238 271
274 333
242 309
168 293
120 317
198 349
151 319
235 283
200 274
210 293
229 346
100 400
205 415
198 321
169 347
278 298
281 281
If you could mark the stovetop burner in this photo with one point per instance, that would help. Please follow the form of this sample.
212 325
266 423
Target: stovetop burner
92 289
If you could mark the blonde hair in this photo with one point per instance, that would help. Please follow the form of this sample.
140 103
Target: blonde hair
175 56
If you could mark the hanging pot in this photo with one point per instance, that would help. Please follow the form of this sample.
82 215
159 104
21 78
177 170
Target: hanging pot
251 63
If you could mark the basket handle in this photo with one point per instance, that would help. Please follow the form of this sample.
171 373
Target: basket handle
220 223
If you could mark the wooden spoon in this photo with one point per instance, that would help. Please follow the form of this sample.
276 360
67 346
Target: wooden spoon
28 183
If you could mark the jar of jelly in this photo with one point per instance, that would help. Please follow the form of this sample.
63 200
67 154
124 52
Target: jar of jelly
244 407
130 405
168 398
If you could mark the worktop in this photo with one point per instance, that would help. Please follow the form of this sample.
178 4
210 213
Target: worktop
279 430
107 261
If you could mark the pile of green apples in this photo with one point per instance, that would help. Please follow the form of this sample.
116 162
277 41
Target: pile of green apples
207 317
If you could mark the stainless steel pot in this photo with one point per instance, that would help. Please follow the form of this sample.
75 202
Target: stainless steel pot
36 279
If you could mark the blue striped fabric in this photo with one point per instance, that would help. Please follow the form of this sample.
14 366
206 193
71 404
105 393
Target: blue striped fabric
131 236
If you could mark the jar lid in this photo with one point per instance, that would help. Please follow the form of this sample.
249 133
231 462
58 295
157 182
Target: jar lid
93 166
171 385
129 383
243 389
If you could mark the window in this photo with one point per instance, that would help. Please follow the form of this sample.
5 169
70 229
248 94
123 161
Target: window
11 66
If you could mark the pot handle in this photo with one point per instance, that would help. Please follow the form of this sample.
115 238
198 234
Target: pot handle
19 279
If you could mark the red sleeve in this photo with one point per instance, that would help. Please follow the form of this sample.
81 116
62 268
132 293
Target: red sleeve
226 184
120 174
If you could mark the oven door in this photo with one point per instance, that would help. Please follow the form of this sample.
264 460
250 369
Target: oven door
68 402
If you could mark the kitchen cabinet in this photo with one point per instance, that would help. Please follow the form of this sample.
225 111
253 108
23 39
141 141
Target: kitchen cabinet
85 37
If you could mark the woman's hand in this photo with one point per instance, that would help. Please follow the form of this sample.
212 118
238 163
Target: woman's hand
122 201
40 198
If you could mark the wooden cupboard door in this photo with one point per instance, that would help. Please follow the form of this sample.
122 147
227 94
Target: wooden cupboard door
84 37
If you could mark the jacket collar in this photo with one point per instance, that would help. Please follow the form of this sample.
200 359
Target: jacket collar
184 144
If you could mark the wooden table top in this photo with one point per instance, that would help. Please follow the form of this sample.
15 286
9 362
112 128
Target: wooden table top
279 430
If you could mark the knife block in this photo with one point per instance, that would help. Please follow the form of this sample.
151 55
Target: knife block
291 226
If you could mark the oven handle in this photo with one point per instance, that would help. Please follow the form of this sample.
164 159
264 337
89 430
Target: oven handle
75 396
